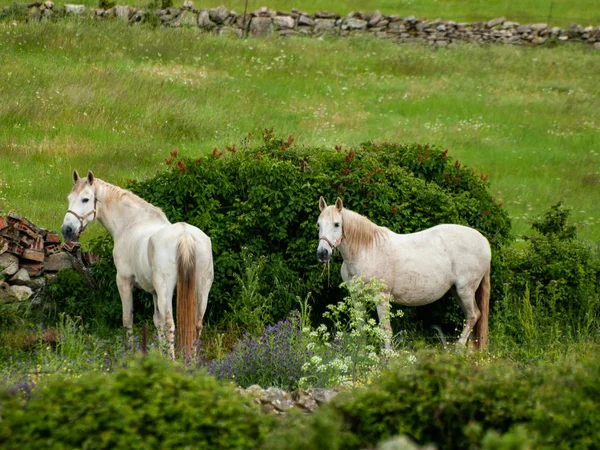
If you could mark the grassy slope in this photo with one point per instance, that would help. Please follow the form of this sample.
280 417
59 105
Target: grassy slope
117 99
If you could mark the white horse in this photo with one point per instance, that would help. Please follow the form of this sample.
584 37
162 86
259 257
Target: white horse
149 252
417 268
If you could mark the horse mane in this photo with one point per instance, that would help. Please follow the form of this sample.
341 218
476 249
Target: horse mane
113 193
360 231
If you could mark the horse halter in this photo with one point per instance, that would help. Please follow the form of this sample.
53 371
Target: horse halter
82 226
333 244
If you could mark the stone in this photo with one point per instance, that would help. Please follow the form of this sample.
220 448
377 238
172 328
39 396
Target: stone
287 32
596 46
354 24
306 20
9 264
188 4
280 399
204 21
122 12
304 400
37 283
188 19
230 31
326 15
396 28
58 261
524 29
255 391
35 14
495 22
261 27
325 26
284 22
322 396
375 18
537 27
218 15
75 9
21 293
21 278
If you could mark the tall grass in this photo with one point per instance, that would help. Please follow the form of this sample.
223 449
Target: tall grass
117 99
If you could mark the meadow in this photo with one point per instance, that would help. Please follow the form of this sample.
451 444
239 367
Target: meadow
118 99
80 94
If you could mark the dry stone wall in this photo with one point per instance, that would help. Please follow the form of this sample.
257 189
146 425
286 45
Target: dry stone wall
29 255
266 22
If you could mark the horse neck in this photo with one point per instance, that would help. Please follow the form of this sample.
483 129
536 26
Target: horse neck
118 209
359 234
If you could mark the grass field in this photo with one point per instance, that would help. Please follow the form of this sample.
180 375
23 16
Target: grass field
117 99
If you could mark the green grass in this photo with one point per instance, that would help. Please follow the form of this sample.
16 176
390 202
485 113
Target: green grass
117 99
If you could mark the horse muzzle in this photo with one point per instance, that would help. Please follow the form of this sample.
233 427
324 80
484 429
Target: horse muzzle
324 253
69 233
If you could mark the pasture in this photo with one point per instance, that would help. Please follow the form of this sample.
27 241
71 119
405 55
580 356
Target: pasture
80 94
118 99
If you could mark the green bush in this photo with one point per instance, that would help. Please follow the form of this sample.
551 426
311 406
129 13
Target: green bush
15 11
149 404
106 4
261 200
455 402
554 290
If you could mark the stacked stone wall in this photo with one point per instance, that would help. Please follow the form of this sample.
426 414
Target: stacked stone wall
266 22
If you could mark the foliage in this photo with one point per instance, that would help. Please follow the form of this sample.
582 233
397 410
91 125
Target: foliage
151 403
349 354
160 4
457 402
15 11
554 289
273 359
106 4
261 199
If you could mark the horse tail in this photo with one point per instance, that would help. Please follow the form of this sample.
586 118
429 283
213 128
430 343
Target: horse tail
482 297
186 294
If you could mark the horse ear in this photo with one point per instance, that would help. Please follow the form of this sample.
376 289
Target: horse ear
90 177
75 176
338 204
322 204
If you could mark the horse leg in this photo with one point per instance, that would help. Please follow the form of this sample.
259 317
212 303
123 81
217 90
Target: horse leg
383 312
159 320
163 312
125 286
203 288
466 298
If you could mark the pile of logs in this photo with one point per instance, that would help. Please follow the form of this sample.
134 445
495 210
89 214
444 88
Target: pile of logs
28 254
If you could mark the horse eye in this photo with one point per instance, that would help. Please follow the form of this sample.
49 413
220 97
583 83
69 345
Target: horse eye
337 224
85 200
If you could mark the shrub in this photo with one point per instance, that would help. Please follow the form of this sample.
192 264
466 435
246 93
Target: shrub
273 359
262 199
554 293
349 354
106 4
149 404
15 11
456 402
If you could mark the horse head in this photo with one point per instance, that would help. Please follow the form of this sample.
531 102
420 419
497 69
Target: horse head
82 206
331 230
